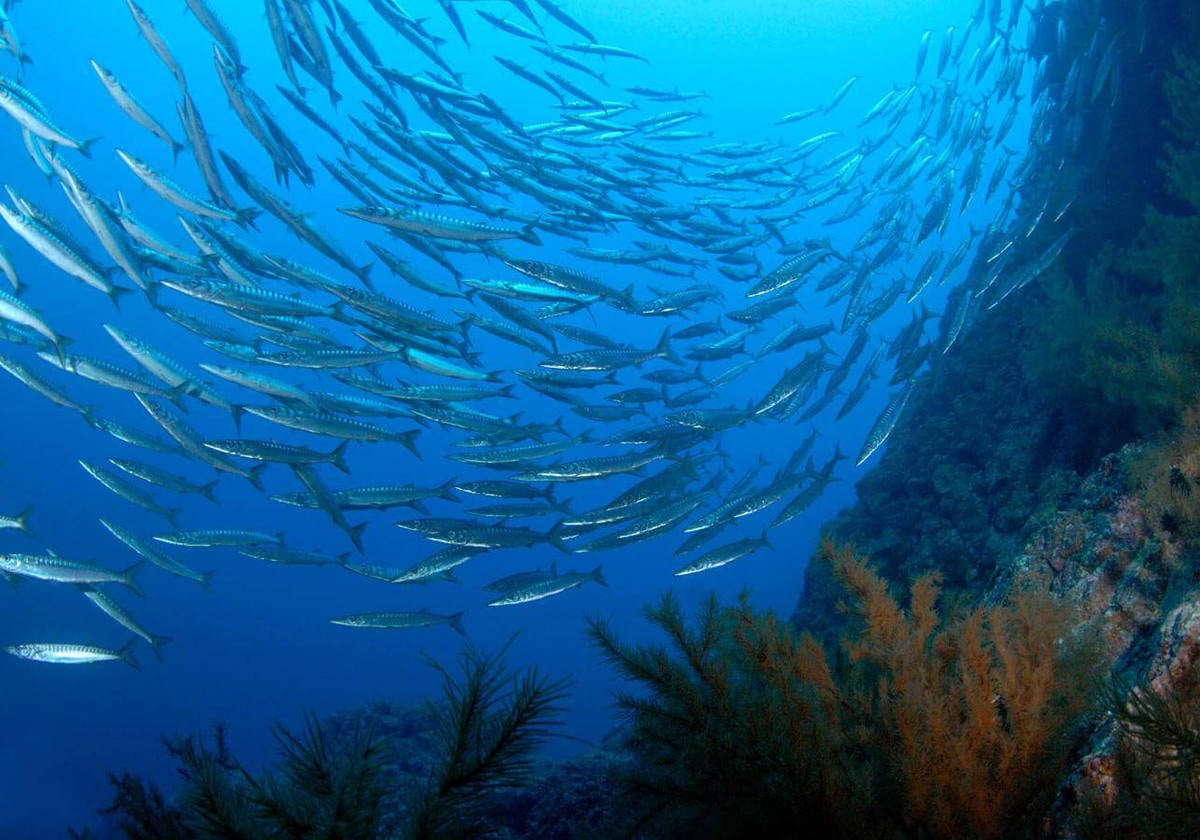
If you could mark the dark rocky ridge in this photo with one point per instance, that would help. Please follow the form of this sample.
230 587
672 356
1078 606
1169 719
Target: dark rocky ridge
985 445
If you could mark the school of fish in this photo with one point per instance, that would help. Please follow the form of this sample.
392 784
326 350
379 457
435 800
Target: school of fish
479 231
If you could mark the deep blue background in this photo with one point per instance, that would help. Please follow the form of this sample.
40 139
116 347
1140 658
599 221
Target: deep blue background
258 647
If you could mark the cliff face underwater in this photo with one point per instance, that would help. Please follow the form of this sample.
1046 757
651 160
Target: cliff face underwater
1061 444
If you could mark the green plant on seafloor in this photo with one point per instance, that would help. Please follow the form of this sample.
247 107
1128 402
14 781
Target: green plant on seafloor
921 725
1150 787
488 723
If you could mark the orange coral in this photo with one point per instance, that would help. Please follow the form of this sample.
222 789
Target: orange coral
950 727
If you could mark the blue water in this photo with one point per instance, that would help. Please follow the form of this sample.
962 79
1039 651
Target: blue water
258 647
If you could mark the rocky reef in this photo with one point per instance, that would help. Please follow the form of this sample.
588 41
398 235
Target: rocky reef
1063 439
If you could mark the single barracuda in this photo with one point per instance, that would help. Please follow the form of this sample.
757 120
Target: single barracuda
332 425
432 224
598 467
443 367
122 616
329 359
281 453
603 359
20 105
724 554
100 219
112 376
148 551
35 383
215 27
190 440
532 292
166 480
437 565
292 556
133 109
467 532
261 383
51 246
133 437
885 424
508 456
170 371
180 197
400 620
67 654
156 42
130 493
536 590
376 498
51 567
18 312
246 298
213 538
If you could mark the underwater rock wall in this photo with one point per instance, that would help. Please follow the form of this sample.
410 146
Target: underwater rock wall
1064 441
1001 430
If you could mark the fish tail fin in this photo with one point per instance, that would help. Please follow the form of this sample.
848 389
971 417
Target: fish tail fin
207 490
446 491
363 273
115 293
85 148
176 395
529 233
663 348
455 621
338 457
60 343
22 520
689 468
255 476
176 148
205 579
156 643
128 575
236 411
343 558
334 96
597 575
246 216
172 515
563 506
507 391
355 533
838 455
762 538
125 654
409 441
554 537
